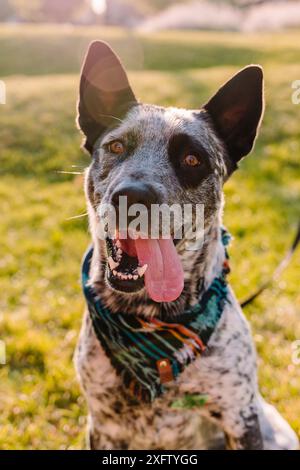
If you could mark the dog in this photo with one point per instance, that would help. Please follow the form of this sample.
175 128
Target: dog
157 155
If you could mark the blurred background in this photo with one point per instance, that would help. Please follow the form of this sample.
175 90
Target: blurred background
177 53
153 15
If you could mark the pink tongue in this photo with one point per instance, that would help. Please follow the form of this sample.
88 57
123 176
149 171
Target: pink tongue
164 275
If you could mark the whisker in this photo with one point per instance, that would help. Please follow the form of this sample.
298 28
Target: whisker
70 172
77 216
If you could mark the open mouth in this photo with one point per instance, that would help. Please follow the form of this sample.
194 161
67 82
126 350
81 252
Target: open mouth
133 264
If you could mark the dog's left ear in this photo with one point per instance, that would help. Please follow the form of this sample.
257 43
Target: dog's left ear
236 111
104 95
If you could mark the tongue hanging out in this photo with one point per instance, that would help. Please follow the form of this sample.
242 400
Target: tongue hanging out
164 275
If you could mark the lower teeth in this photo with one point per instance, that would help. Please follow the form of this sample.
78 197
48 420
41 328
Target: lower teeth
137 273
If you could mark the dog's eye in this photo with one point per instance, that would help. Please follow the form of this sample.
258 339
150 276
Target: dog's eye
191 160
116 147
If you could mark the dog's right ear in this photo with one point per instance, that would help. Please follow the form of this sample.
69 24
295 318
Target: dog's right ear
105 95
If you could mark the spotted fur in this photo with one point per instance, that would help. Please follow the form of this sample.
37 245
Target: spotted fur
222 132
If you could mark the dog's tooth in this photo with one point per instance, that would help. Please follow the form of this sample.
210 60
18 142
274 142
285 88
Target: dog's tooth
118 243
129 276
112 263
114 272
135 277
141 270
119 251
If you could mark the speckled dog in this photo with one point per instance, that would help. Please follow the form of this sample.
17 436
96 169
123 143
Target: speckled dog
168 155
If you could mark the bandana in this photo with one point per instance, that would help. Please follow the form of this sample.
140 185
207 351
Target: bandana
149 353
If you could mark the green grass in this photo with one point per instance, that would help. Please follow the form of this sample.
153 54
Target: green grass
40 402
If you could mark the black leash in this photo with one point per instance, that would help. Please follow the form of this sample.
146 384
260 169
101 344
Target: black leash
282 265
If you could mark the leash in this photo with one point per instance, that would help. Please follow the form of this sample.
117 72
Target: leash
278 271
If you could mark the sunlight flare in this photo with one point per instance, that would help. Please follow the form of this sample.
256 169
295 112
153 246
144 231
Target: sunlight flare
99 6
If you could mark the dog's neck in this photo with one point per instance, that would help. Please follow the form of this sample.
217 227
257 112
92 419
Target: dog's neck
200 268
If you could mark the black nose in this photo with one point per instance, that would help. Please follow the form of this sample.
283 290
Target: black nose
136 193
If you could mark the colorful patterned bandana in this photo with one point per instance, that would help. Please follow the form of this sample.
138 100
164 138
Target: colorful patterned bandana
147 353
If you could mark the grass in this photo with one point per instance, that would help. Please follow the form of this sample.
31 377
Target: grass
41 303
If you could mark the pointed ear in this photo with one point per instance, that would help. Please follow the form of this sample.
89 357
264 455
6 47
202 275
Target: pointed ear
236 111
105 95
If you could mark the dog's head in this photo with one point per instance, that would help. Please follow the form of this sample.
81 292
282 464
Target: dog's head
155 155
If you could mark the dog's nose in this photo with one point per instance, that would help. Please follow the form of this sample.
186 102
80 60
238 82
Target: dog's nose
136 193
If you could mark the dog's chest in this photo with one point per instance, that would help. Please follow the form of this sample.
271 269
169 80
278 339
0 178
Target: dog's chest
144 426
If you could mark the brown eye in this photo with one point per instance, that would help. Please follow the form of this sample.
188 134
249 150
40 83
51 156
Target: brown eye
191 160
116 147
